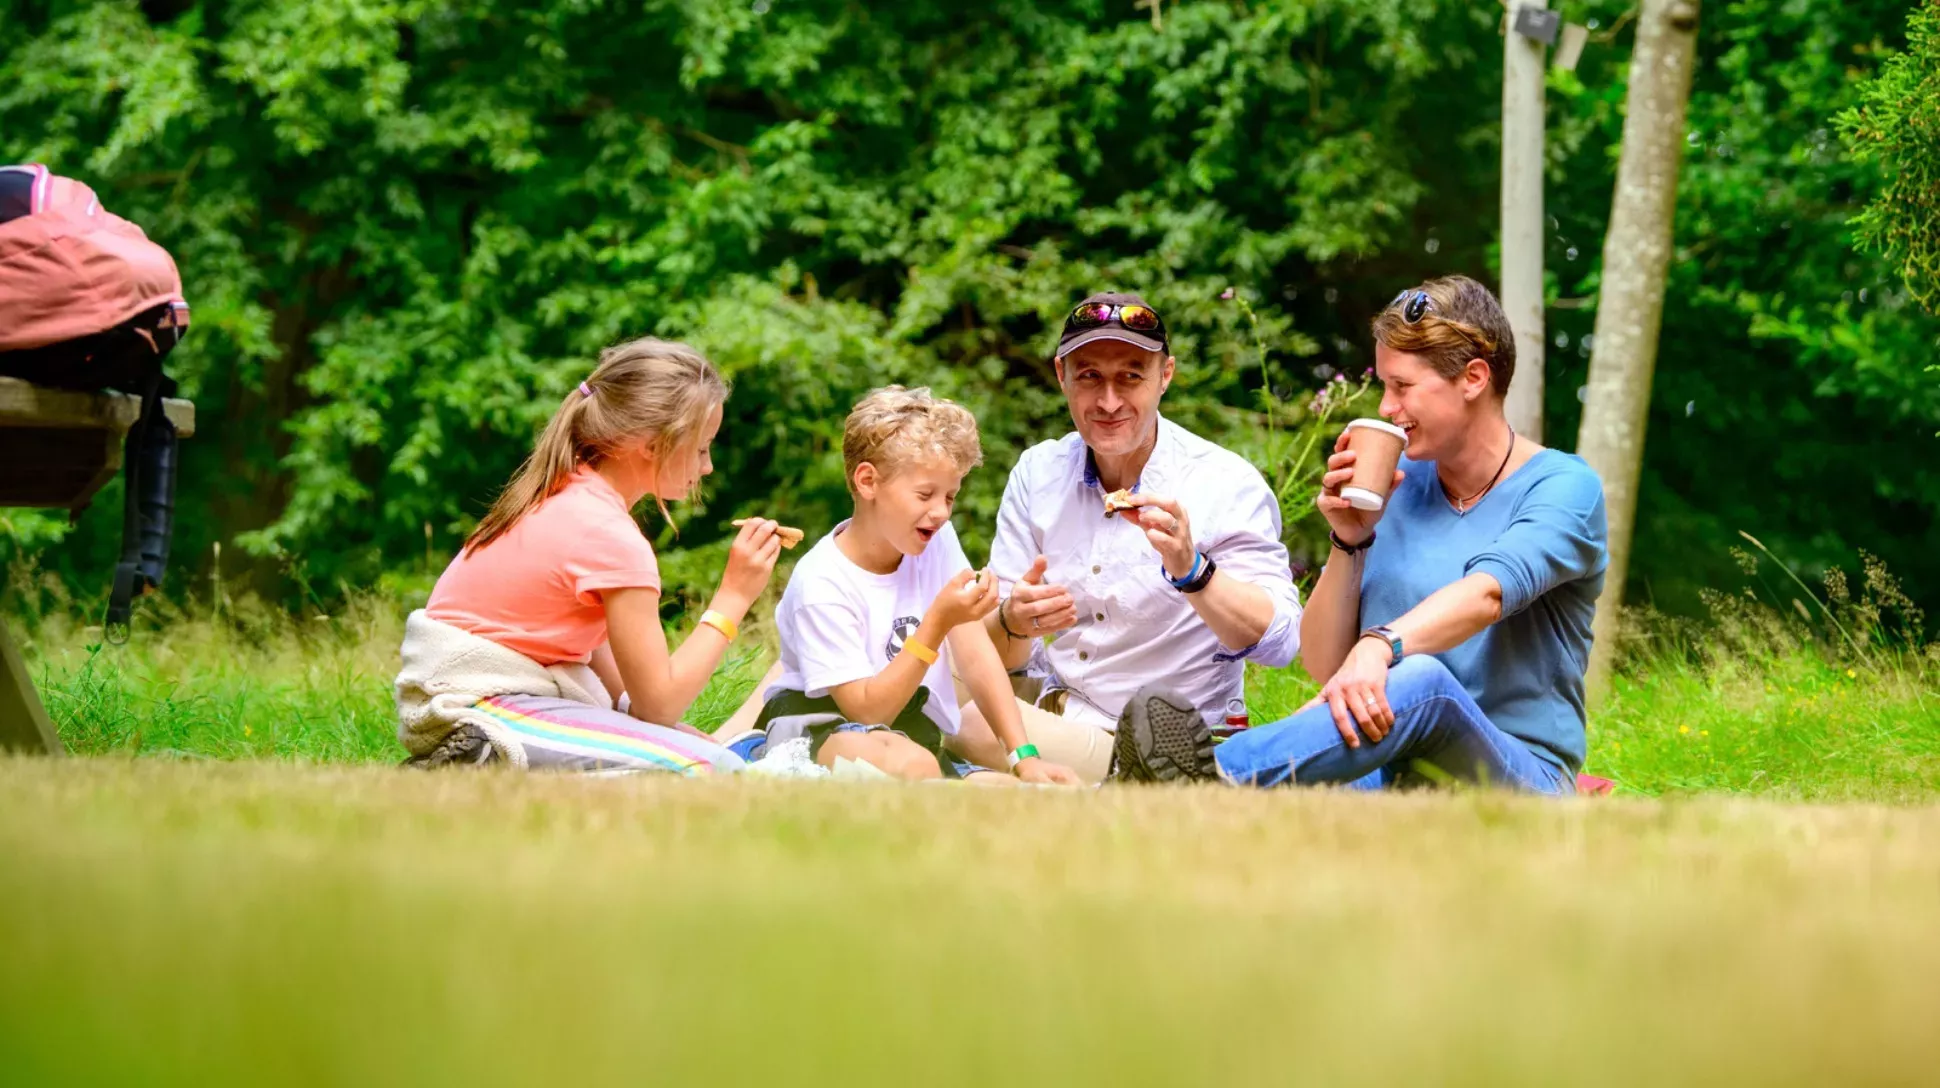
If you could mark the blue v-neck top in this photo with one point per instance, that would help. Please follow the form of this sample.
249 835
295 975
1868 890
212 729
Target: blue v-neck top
1541 535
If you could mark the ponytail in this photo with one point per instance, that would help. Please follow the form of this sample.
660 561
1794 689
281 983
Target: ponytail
647 388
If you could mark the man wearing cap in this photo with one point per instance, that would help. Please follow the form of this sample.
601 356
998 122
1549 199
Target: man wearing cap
1180 590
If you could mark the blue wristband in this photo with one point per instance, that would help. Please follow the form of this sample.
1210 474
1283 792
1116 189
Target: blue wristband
1198 561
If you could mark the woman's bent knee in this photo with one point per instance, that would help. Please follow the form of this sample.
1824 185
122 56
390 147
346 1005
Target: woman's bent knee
1420 669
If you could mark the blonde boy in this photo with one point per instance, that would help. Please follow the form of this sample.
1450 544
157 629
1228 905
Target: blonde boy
882 616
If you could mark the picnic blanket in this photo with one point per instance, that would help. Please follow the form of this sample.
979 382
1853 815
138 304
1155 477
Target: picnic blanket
446 671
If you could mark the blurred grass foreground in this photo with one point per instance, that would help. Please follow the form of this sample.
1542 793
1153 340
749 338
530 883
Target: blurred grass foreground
263 922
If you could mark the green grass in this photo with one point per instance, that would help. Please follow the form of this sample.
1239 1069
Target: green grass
1791 724
1759 712
257 684
266 922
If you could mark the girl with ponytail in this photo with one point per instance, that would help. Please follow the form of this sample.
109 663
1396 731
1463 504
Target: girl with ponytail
541 645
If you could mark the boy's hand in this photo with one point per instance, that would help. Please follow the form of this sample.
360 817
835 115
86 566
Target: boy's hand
1036 769
970 596
751 560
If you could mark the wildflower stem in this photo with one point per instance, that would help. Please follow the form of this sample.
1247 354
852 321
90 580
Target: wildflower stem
1834 620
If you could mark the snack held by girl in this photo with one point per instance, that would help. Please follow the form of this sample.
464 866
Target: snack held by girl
879 621
541 645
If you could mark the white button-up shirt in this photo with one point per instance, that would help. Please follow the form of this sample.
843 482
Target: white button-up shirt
1133 627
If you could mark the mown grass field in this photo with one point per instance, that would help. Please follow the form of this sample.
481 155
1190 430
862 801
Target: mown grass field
173 922
233 885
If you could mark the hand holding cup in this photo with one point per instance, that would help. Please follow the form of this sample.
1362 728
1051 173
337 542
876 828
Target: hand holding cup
1360 476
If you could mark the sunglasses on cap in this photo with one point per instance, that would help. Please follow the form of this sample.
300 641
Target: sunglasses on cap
1091 315
1415 304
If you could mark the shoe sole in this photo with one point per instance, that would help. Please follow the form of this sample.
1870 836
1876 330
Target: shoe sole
466 746
1160 742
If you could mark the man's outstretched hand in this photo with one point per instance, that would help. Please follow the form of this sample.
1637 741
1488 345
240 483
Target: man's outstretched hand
1034 609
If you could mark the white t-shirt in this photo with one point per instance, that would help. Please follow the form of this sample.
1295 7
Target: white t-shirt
840 623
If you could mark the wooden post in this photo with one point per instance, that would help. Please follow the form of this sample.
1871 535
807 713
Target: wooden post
24 725
1630 309
1522 218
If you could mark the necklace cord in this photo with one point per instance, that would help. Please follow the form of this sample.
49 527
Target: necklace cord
1462 505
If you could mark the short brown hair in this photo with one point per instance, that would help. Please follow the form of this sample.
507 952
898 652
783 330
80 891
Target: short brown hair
1463 321
893 427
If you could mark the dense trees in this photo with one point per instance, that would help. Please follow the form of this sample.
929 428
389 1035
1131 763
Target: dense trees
406 227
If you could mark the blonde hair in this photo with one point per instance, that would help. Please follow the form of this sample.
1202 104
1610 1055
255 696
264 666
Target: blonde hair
1463 322
654 389
894 427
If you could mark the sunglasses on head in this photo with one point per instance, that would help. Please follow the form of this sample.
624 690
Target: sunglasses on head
1138 318
1415 304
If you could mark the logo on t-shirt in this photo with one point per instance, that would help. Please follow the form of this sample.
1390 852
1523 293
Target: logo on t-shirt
899 633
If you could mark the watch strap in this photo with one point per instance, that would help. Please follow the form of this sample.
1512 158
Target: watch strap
1387 635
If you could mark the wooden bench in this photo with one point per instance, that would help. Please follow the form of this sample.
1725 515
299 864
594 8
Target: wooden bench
57 449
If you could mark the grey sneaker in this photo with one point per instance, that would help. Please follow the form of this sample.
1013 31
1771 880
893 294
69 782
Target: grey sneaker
1161 738
465 746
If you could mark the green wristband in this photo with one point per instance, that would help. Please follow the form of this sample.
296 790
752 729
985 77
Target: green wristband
1022 753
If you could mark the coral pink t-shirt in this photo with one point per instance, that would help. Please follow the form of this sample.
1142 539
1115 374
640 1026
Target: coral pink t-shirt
536 589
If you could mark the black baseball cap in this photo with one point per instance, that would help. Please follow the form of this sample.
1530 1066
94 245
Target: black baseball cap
1101 317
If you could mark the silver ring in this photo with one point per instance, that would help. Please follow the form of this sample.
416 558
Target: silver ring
1034 623
1370 701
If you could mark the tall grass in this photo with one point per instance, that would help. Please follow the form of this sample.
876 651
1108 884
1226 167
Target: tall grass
254 681
1782 690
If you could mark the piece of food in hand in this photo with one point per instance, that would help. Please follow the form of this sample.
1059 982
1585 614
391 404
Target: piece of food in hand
1118 501
789 537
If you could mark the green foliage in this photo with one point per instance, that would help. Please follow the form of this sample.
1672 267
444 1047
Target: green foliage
1897 126
1789 398
407 227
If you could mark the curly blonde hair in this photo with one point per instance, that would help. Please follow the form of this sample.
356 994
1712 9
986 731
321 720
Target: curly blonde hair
894 428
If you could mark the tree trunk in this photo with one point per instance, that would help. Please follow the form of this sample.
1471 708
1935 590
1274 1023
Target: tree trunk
1630 310
1522 221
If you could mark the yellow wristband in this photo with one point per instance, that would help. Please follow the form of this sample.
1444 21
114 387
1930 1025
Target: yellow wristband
923 653
721 623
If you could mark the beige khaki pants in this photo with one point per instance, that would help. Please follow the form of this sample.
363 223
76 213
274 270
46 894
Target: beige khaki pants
1060 738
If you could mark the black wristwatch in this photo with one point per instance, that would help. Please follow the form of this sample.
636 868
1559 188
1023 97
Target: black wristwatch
1386 634
1201 575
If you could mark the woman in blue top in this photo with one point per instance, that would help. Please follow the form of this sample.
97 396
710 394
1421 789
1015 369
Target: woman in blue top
1451 642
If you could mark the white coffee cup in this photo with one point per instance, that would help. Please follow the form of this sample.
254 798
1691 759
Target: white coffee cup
1377 446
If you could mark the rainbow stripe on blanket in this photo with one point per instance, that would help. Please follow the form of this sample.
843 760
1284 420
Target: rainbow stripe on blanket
628 748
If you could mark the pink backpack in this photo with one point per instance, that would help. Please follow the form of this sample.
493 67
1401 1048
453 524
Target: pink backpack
69 268
88 302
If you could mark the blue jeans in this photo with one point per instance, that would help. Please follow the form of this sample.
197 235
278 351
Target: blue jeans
1436 722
